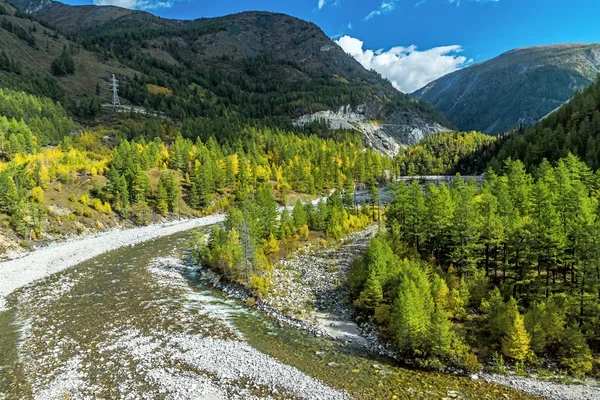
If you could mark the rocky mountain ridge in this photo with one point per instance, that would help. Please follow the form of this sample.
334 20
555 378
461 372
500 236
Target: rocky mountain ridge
399 130
518 87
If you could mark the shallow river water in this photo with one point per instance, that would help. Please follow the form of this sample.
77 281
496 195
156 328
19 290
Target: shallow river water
136 323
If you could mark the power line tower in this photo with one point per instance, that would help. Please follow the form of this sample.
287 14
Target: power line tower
115 85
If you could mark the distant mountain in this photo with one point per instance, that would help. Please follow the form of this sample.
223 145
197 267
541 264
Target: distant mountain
71 18
517 87
252 66
574 128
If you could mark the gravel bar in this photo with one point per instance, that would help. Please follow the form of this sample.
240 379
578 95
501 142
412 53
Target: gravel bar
549 390
56 257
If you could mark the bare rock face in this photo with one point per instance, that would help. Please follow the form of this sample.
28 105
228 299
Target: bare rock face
32 6
388 136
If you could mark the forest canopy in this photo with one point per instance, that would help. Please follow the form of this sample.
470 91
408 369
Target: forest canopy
513 261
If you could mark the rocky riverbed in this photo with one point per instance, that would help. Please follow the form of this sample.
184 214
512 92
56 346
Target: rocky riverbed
309 292
48 260
311 285
139 322
551 390
130 325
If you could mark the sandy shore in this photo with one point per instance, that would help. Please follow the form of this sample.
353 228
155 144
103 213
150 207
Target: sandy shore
56 257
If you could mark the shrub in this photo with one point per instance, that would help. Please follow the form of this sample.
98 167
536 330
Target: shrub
84 199
101 207
260 284
271 246
37 194
498 362
574 353
382 315
303 232
97 204
471 363
83 212
64 178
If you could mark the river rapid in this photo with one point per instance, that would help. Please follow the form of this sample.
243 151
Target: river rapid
138 323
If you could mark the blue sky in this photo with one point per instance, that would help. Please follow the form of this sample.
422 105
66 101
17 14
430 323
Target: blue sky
454 33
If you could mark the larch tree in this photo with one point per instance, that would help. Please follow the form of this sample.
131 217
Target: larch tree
515 343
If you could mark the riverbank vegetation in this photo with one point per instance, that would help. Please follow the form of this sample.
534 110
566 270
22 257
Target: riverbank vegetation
445 153
245 249
507 270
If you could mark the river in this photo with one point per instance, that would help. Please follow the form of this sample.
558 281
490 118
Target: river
136 323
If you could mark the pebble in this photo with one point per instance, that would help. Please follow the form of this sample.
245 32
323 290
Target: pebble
550 390
56 257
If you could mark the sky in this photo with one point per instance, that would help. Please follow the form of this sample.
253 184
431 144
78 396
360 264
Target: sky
412 42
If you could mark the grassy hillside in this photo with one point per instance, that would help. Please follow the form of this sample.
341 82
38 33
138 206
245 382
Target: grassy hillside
517 87
34 45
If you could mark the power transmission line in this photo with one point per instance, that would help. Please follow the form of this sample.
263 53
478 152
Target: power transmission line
13 86
45 52
35 61
9 84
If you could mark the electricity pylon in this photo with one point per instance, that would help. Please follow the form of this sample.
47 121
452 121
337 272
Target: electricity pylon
115 85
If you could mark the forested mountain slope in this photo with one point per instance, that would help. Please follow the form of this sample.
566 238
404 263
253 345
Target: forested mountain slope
72 18
238 68
446 153
517 87
574 128
28 48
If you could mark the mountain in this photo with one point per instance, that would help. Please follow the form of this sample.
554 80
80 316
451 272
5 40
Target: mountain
574 128
517 87
71 18
238 69
30 46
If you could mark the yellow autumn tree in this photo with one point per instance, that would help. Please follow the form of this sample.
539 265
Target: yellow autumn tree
37 194
515 344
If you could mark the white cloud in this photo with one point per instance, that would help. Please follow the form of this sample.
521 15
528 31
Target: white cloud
135 4
407 68
333 3
386 7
